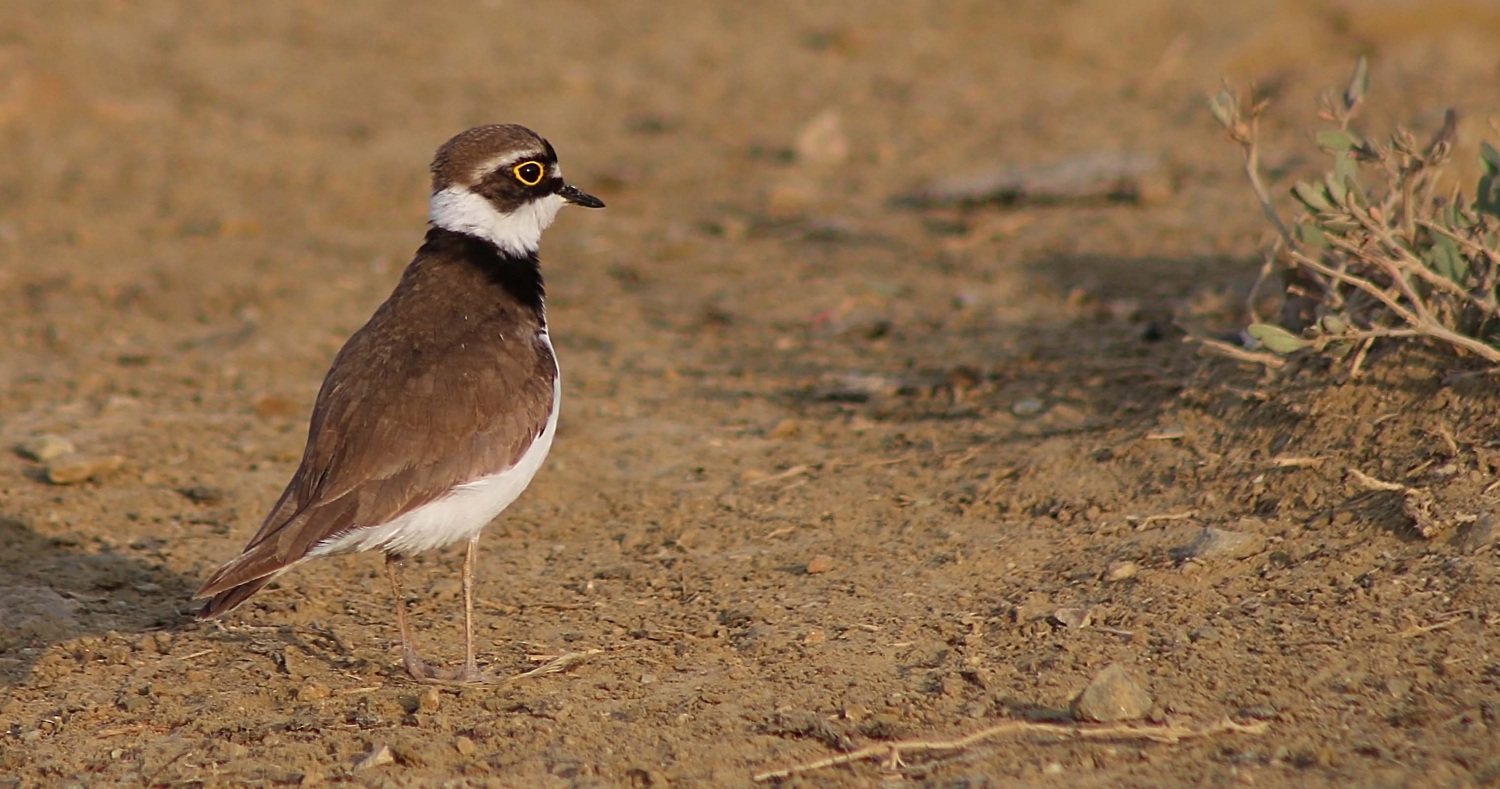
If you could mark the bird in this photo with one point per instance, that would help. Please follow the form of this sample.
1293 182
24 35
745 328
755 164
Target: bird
439 411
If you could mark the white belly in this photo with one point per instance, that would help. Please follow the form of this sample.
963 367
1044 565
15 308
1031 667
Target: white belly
460 515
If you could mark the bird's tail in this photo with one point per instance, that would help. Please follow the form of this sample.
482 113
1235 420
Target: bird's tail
230 598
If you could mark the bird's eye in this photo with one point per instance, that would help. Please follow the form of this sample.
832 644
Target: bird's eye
529 173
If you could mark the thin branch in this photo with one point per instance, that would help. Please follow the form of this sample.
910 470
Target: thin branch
1416 265
1237 353
1428 328
893 754
1359 283
1250 150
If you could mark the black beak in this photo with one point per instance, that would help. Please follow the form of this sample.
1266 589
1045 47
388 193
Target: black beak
577 196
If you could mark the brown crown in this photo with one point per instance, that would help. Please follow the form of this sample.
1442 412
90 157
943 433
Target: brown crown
464 160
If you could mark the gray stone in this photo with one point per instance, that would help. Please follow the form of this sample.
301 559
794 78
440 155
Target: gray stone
45 448
1212 543
1112 695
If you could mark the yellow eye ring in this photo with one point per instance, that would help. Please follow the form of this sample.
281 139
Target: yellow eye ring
529 173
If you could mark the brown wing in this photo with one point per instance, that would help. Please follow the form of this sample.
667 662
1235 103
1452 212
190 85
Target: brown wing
450 380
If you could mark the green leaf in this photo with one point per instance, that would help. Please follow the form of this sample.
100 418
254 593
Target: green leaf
1344 169
1276 339
1445 259
1359 84
1311 196
1334 324
1489 158
1337 140
1337 190
1449 216
1488 198
1224 108
1312 236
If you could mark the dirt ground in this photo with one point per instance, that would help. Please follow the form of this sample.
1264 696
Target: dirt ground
834 470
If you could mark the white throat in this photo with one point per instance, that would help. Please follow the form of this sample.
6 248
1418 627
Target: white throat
517 233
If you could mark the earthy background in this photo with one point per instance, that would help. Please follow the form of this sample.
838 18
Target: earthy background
833 468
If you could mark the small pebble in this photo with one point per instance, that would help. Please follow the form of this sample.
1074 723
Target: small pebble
72 469
814 636
1479 535
1073 617
377 756
45 448
203 494
312 691
822 141
1167 433
1119 571
821 563
786 428
464 746
1028 407
1258 712
1212 543
1112 696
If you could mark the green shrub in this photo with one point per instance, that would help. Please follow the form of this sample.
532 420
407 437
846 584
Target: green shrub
1375 251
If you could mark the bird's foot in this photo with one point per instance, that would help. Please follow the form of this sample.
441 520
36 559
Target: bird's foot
468 675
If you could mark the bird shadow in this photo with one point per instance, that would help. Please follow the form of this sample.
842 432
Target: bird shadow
52 589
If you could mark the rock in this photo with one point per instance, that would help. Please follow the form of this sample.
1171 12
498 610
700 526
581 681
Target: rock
1119 571
786 428
379 755
45 448
1478 535
1028 407
822 141
1133 177
821 563
312 691
1212 543
1112 696
464 746
34 615
202 494
1073 617
430 700
73 469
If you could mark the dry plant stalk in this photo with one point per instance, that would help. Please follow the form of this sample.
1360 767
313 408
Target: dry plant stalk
1377 252
893 755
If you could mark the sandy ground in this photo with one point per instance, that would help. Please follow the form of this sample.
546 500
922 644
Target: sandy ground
834 471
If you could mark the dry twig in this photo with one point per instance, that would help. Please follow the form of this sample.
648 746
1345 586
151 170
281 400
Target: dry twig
893 755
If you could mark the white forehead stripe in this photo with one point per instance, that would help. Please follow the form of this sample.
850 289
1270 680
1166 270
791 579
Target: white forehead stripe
505 163
518 233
